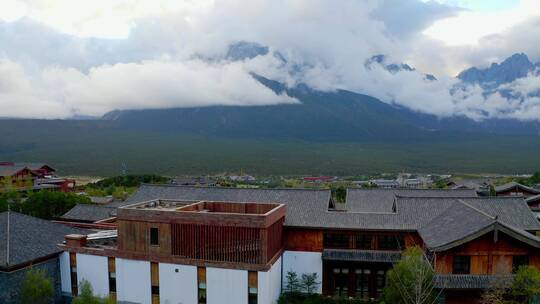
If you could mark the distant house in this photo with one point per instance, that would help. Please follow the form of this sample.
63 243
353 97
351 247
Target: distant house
385 183
516 189
242 178
27 242
32 176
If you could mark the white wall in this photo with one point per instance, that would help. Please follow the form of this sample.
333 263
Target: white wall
269 284
95 270
133 281
65 273
302 262
226 286
177 287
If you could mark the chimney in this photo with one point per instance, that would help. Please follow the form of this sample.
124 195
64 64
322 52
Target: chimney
75 240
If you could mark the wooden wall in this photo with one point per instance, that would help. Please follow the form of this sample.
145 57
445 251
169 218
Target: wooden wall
135 236
298 239
303 240
487 256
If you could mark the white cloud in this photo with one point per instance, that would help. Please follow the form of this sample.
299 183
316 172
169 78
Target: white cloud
89 57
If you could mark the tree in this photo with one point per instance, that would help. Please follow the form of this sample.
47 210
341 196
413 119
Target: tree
411 280
51 204
309 283
293 283
526 285
37 287
339 194
86 296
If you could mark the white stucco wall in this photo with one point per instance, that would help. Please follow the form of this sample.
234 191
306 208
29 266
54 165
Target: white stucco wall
94 269
133 281
269 284
65 274
177 287
226 286
302 262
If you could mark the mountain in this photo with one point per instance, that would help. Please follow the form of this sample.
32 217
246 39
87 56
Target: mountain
514 67
393 67
319 116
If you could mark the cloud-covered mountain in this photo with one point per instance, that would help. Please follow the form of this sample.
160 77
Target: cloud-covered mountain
512 68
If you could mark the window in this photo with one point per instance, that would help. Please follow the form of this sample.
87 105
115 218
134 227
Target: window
201 285
154 281
462 264
362 283
73 272
518 261
336 240
252 287
340 282
154 236
363 241
381 280
391 242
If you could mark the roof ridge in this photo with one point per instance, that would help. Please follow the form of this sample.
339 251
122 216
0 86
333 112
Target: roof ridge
495 218
230 188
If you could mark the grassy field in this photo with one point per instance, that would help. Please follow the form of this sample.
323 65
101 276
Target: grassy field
94 149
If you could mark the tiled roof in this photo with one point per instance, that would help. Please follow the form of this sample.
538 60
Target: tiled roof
511 185
30 238
309 208
305 205
462 223
361 255
89 212
468 281
382 200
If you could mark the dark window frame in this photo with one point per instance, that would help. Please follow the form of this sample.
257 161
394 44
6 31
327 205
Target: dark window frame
154 236
518 261
337 240
390 242
364 241
461 264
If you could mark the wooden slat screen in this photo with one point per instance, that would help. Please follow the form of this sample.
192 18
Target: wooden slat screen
217 243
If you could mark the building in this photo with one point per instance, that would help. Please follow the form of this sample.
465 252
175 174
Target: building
211 245
27 242
534 204
32 177
516 189
385 183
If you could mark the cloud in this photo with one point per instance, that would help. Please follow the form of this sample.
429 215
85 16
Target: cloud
65 58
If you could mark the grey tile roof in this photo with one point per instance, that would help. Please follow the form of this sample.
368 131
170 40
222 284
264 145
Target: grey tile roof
30 238
468 281
382 200
511 185
309 208
456 223
533 199
89 212
306 205
361 255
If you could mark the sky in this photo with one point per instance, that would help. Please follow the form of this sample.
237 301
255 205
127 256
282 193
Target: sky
66 58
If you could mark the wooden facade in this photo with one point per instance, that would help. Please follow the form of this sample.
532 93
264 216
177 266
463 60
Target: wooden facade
297 239
244 233
488 256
